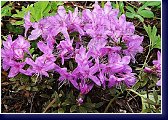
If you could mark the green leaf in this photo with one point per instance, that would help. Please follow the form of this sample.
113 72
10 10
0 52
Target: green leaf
82 109
34 44
14 29
6 11
139 17
13 79
18 23
24 78
154 39
41 5
144 80
154 31
17 77
143 2
59 3
130 15
21 14
89 100
41 9
146 13
117 5
34 78
95 111
31 50
60 110
44 96
102 4
121 6
152 3
158 43
67 102
49 87
46 11
147 110
55 4
99 104
148 30
137 85
89 105
67 8
155 95
130 9
28 88
35 89
149 101
3 2
73 108
21 87
113 4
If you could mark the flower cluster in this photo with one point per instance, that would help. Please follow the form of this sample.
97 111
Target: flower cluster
13 54
102 60
156 69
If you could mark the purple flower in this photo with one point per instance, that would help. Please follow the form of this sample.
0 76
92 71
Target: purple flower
40 66
118 64
101 60
7 51
157 63
13 50
27 22
74 22
44 48
148 70
114 80
16 67
84 69
85 88
65 49
157 66
21 43
107 7
18 54
40 28
20 47
81 55
80 101
129 79
158 83
8 44
133 44
108 50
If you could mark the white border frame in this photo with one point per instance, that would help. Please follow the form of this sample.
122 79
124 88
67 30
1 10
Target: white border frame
93 113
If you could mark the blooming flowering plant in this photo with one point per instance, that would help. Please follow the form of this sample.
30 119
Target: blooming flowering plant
98 44
107 32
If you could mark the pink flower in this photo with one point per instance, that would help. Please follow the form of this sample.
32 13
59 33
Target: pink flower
39 67
27 22
16 67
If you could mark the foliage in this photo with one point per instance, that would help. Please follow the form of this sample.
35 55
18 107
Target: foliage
155 40
5 10
142 12
67 103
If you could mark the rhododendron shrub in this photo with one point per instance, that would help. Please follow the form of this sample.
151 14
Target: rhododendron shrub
101 43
